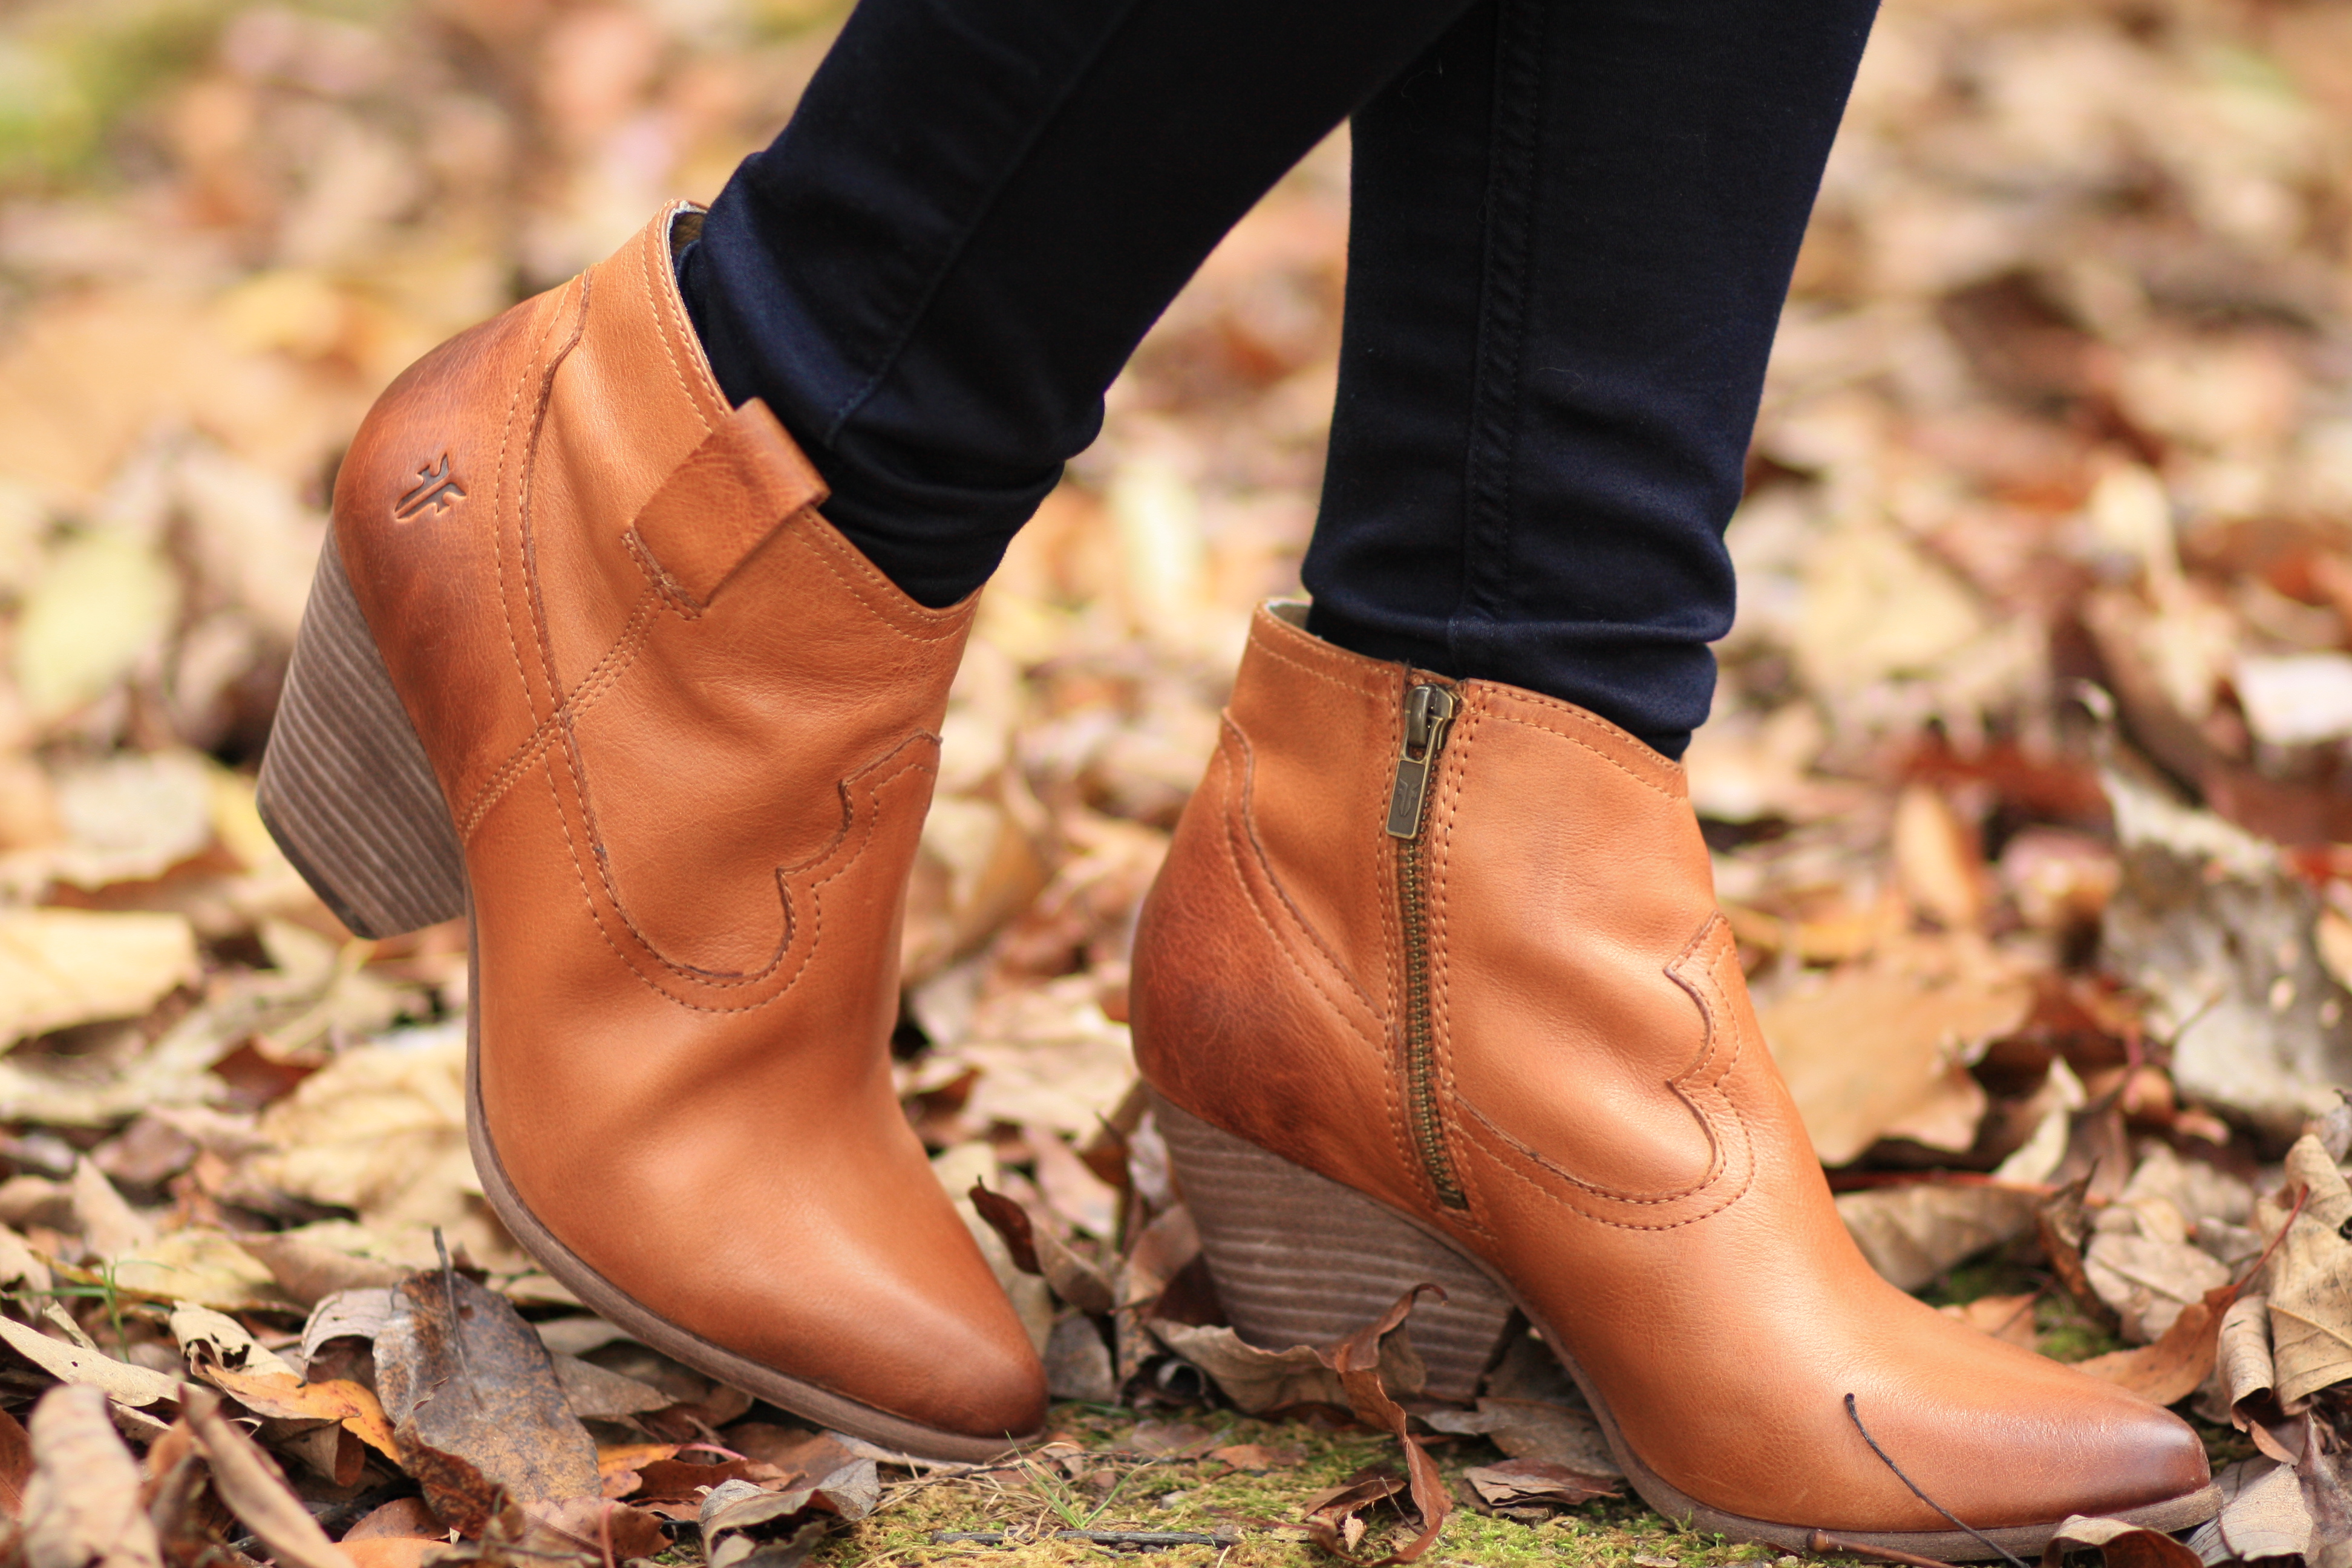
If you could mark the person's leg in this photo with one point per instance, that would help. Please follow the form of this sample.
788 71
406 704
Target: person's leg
978 209
1572 233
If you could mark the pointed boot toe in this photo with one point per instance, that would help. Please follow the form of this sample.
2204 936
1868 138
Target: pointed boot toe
584 660
1432 986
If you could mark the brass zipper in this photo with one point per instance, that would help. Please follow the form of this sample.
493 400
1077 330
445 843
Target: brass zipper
1428 710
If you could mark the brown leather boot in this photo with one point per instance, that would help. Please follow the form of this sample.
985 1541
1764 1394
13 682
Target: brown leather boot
583 660
1432 987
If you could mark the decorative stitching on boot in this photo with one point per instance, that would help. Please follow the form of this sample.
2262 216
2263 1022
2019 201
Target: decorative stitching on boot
1238 816
666 328
867 582
534 598
530 372
870 779
601 678
1508 1153
1570 711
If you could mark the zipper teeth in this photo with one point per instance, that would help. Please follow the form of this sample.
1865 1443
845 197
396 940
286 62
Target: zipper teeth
1420 1047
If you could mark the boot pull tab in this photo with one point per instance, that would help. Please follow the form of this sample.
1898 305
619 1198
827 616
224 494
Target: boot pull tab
718 507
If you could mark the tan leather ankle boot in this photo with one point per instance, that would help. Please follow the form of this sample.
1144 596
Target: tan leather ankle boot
1432 986
583 660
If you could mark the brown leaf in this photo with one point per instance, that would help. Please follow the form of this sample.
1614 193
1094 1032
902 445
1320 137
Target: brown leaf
398 1535
393 1550
310 1273
792 1449
608 1531
1168 1439
2007 1318
16 1465
82 1508
464 1377
2175 1366
1916 1231
281 1395
255 1489
675 1480
121 1382
2311 1281
2122 1545
1357 1360
402 1518
2060 1224
1011 1221
599 1394
1535 1429
1515 1481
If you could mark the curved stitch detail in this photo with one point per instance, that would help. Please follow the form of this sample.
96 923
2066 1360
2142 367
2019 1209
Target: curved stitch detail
1232 860
1245 809
870 779
1580 740
1365 691
1718 1136
667 327
950 622
498 504
1505 1164
601 678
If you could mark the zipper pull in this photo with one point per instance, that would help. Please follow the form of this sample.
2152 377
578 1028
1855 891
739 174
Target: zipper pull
1427 710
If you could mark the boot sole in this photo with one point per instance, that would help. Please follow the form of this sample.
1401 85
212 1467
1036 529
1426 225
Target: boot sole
349 797
1299 1258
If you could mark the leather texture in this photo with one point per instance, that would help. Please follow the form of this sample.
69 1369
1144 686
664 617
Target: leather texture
1631 1165
687 735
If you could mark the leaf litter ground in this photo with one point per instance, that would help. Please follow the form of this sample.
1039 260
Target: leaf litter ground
2026 783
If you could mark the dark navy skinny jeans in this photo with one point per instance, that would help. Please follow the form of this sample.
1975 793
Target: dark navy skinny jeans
1572 228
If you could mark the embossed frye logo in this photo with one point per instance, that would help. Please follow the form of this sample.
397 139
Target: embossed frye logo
434 488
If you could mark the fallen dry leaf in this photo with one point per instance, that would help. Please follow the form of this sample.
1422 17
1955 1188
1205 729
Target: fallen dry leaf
2311 1281
16 1465
600 1527
2007 1318
1880 1048
2177 1364
310 1273
598 1394
119 1381
1357 1360
2120 1544
61 967
1035 1250
2147 1280
1515 1482
1535 1429
82 1506
464 1379
255 1489
1078 1363
738 1516
2262 1514
1256 1380
1914 1232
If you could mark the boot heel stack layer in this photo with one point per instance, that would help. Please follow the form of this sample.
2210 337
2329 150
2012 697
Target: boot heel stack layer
346 790
1300 1259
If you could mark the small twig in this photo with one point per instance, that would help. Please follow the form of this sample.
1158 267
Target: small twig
1854 1415
1821 1543
449 1296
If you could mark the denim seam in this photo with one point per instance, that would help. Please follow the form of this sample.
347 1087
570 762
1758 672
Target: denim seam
922 303
1511 177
